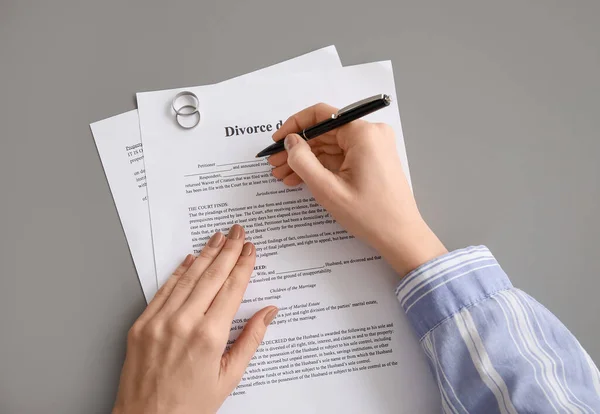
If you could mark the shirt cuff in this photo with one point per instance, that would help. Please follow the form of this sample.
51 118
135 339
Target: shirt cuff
438 289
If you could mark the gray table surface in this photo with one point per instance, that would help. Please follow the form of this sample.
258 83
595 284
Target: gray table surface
500 103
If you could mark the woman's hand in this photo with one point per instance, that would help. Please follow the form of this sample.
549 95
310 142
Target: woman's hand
354 172
175 361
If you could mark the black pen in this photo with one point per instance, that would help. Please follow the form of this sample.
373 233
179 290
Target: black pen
345 115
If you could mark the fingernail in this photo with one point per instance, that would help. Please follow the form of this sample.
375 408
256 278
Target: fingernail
290 141
270 316
247 249
216 240
235 232
188 260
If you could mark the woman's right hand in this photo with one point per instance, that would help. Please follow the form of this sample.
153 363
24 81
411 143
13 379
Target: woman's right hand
354 172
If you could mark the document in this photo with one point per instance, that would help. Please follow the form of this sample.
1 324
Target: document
340 342
119 145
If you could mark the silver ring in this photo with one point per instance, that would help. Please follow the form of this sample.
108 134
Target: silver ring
190 106
195 113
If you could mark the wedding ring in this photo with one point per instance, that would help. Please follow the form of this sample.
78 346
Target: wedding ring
191 105
188 114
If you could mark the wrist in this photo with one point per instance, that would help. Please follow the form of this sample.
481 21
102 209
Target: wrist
410 245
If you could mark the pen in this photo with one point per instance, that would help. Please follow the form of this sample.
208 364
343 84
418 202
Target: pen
342 117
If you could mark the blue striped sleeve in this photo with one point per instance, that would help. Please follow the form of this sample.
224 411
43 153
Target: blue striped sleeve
491 347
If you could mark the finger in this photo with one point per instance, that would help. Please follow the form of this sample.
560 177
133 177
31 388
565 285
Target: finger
281 172
186 282
278 159
215 275
327 149
331 162
236 360
323 140
292 180
165 291
328 155
303 119
228 300
304 163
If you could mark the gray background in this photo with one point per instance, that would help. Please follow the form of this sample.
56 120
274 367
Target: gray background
500 106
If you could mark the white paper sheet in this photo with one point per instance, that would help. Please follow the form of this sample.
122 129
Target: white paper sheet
119 145
341 342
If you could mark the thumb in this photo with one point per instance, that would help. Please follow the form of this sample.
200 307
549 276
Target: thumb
235 362
303 161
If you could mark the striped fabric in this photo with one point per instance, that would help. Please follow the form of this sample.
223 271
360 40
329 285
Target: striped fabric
491 347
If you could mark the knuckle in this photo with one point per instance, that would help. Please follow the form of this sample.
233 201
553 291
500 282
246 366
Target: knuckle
153 331
135 333
180 325
209 336
256 338
207 253
212 273
385 129
162 292
292 121
179 271
186 282
373 134
232 284
372 129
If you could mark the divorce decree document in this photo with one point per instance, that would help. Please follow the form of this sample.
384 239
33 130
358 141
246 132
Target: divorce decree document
120 148
340 342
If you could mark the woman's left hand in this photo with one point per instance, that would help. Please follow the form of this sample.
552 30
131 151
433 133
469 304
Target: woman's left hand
175 359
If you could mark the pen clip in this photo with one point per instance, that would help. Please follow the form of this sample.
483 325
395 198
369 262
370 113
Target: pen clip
361 102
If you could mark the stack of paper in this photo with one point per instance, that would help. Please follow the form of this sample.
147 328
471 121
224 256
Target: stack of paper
340 342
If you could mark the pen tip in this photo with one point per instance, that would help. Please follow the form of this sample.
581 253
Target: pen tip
257 155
